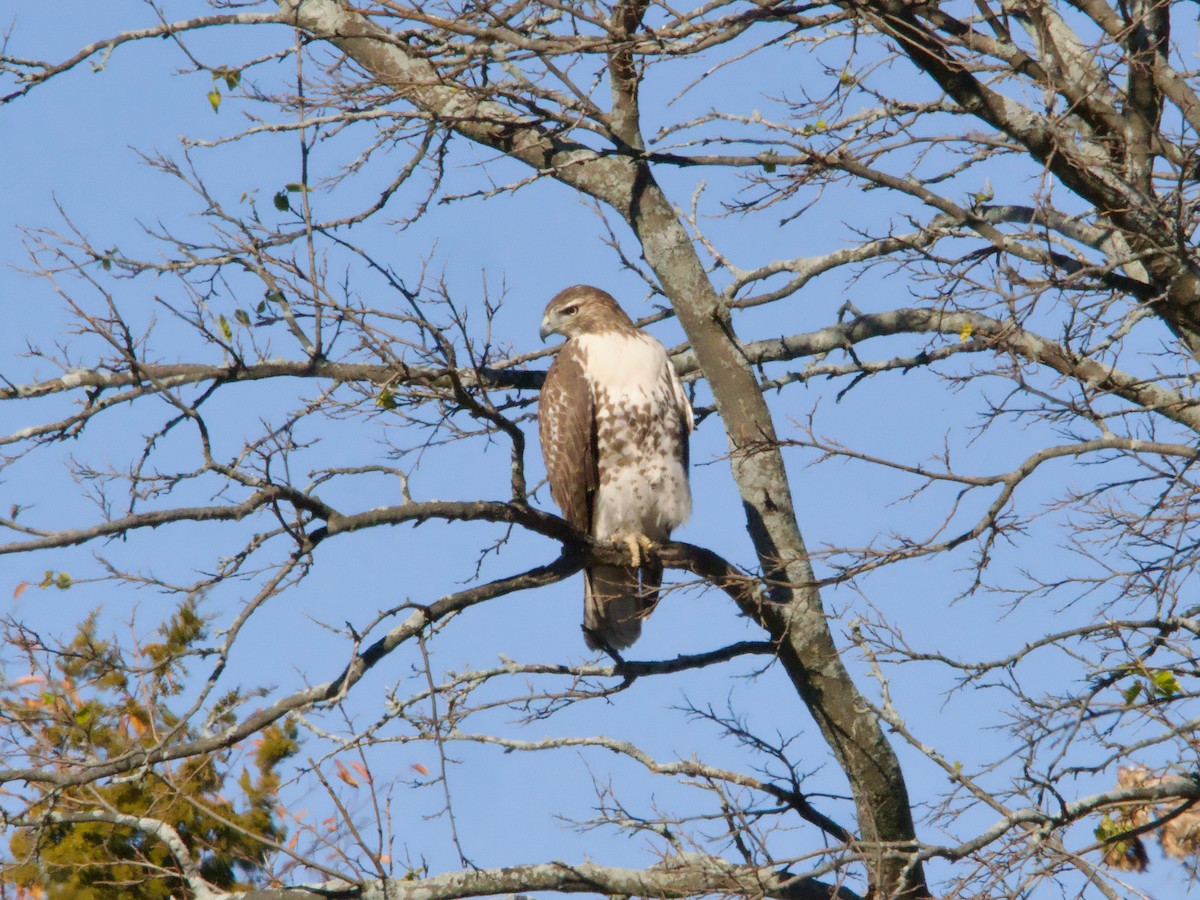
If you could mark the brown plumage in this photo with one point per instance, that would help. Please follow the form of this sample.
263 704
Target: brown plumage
614 423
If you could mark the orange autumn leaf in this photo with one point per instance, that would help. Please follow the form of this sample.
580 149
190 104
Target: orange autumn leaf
20 589
344 774
362 770
420 768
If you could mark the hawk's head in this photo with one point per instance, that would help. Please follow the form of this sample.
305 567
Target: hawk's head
583 310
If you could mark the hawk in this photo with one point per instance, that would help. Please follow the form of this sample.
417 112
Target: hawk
614 422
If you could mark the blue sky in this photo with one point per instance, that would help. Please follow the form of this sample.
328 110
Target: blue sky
76 142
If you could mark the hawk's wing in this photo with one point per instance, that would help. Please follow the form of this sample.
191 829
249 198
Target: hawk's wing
567 429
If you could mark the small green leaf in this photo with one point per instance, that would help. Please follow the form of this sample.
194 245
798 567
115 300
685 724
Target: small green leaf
274 297
1165 683
214 98
1130 693
386 399
296 187
106 264
225 329
281 201
233 79
242 316
61 580
1106 829
768 158
83 716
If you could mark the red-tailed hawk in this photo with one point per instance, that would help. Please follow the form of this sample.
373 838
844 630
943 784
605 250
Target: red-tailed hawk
614 423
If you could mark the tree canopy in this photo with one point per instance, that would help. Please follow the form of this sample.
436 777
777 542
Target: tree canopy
928 272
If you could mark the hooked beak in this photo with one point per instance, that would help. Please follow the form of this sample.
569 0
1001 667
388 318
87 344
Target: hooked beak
546 330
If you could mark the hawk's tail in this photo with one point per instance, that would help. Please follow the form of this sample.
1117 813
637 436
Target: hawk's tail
614 604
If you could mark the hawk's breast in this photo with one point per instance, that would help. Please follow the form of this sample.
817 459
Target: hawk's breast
640 430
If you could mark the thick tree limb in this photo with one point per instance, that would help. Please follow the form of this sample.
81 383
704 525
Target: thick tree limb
675 878
1083 166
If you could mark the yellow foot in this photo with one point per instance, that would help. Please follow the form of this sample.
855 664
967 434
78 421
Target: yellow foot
638 545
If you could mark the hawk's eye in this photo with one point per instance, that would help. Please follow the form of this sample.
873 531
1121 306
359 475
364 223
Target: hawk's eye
570 310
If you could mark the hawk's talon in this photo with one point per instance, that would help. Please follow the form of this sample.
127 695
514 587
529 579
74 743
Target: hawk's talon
638 545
